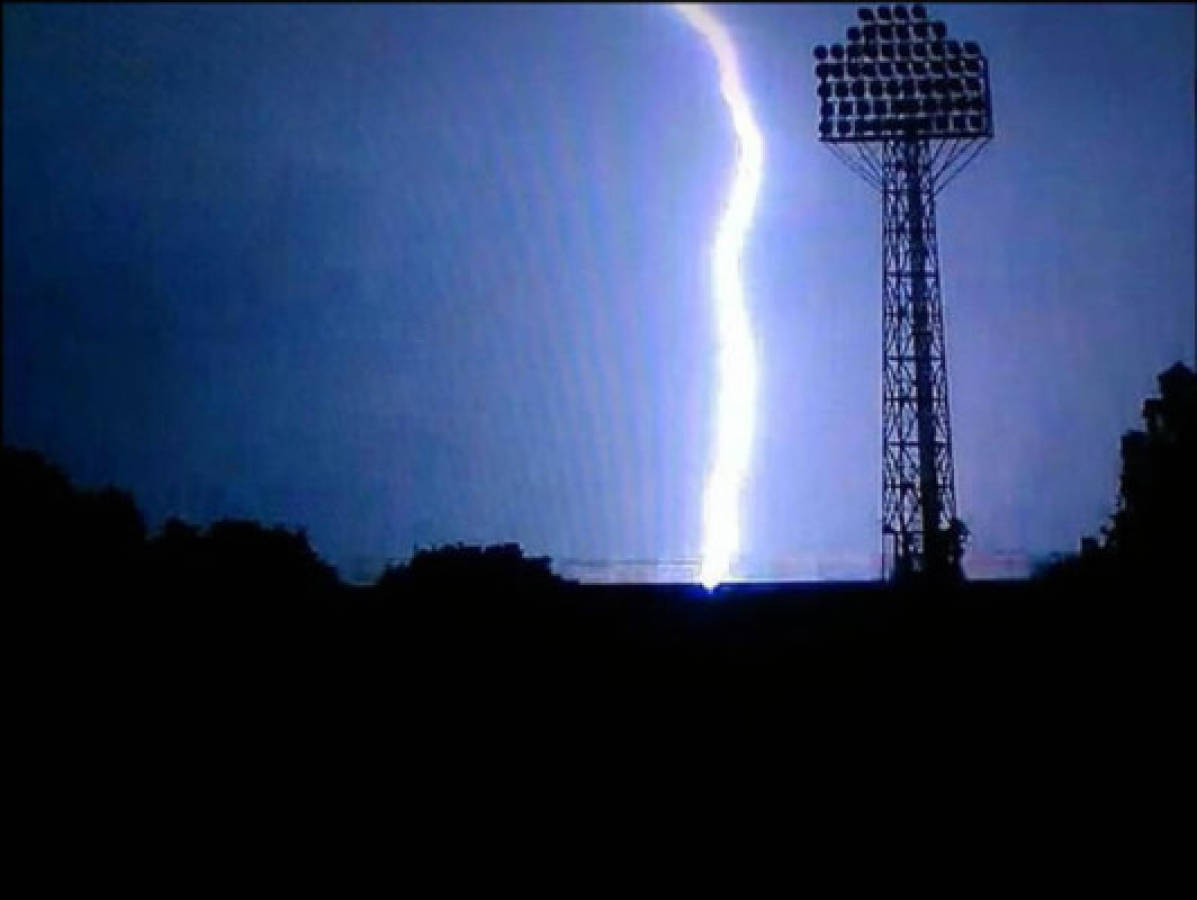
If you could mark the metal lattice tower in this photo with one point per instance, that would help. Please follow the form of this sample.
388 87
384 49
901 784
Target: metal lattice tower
907 108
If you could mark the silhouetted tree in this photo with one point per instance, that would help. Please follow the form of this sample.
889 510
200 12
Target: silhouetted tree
1153 527
499 565
112 526
956 542
91 546
241 561
38 504
60 536
1152 531
178 536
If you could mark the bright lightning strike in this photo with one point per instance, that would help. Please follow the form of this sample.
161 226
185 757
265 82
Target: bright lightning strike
737 360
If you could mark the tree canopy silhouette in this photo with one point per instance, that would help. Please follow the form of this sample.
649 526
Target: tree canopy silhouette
493 566
94 542
1153 529
240 555
60 535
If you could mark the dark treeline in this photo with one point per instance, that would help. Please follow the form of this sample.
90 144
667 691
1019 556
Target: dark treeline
239 603
1152 535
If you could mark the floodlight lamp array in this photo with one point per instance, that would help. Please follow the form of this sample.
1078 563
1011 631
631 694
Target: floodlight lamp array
899 75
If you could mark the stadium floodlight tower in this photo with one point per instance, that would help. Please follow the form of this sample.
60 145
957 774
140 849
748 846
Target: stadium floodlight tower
907 108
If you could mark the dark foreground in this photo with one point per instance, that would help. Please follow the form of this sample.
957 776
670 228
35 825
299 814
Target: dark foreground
476 643
1047 715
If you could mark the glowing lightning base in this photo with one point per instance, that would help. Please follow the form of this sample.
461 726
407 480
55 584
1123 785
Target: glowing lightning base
737 360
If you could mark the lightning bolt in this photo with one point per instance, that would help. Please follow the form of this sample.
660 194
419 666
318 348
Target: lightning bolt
737 359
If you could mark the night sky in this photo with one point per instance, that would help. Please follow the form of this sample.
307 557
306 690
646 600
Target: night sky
411 275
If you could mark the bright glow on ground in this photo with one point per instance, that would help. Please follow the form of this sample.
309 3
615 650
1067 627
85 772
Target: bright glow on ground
737 360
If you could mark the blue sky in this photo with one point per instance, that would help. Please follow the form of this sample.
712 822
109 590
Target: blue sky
407 275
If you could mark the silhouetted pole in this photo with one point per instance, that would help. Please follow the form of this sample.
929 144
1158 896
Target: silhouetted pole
923 362
907 109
